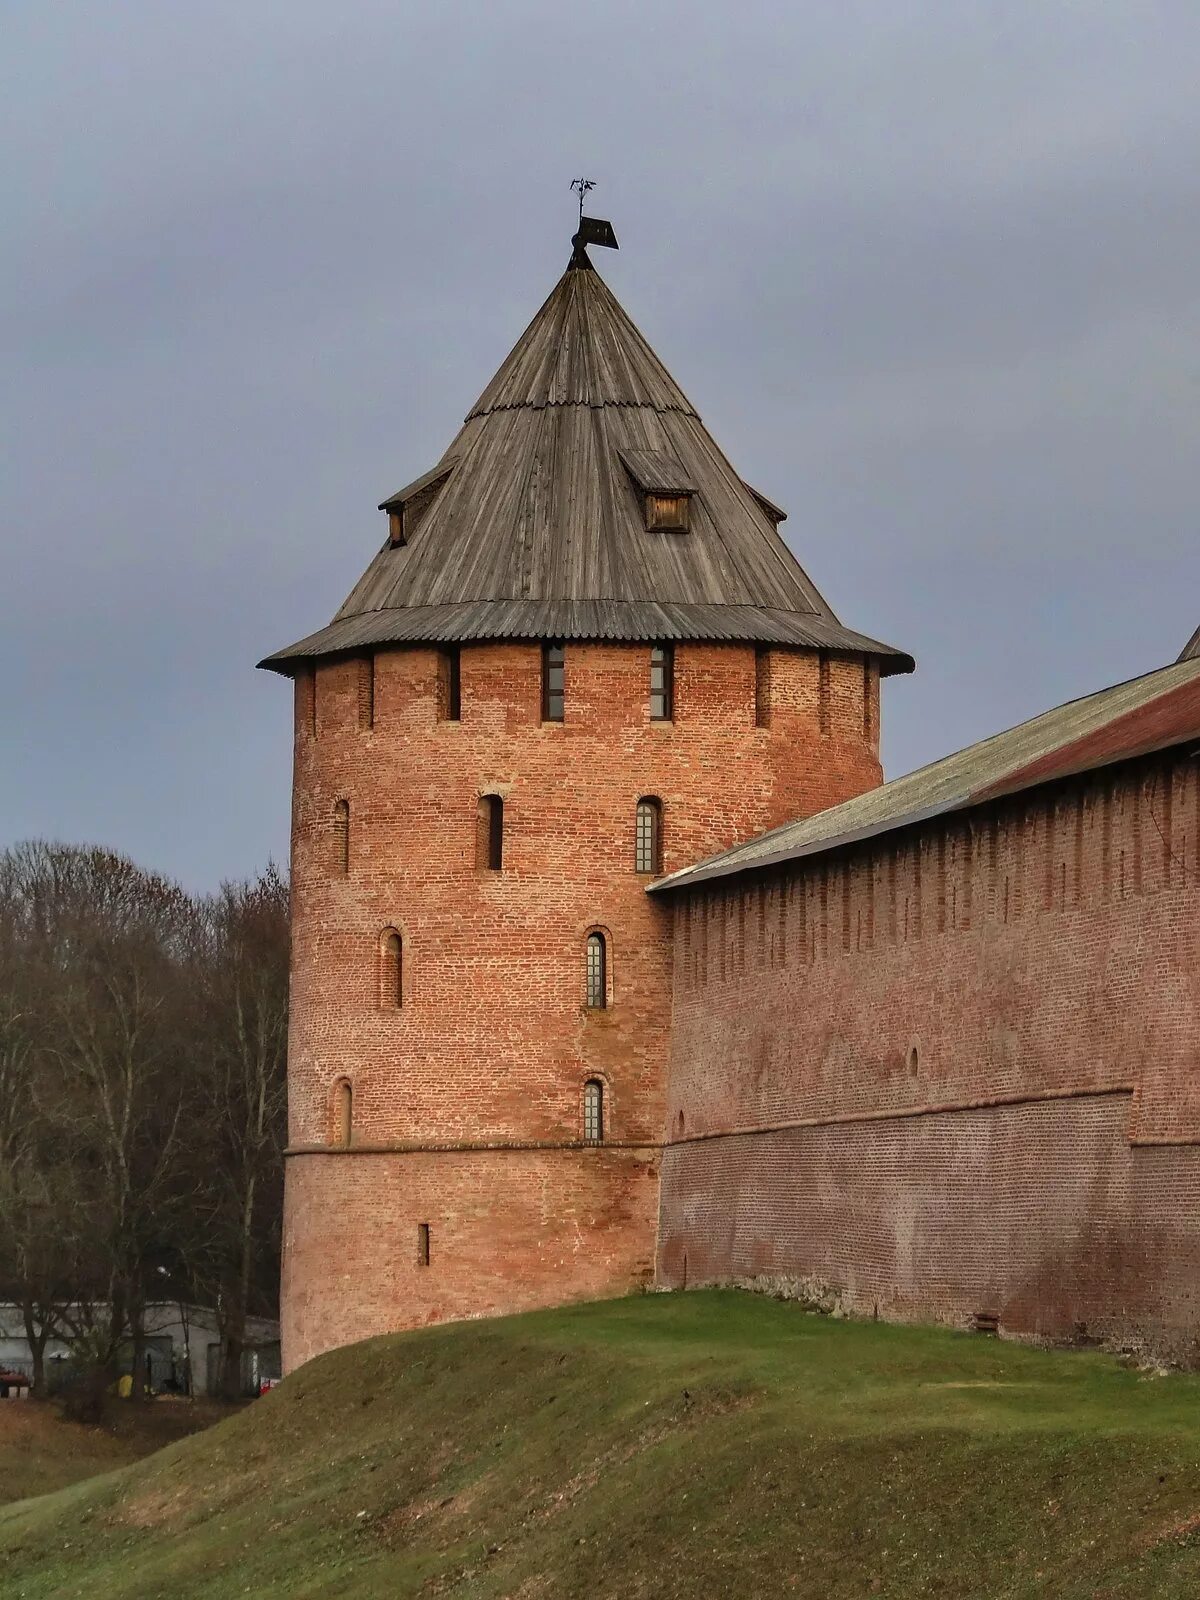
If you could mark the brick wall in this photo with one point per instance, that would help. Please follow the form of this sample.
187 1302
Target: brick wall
509 1230
493 1043
957 1069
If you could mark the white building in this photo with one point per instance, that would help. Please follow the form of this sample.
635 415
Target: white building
182 1349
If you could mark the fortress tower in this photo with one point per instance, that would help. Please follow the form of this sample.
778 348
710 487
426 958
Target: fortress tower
583 657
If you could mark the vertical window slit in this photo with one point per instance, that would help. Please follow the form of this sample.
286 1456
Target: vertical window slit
648 835
597 972
554 673
868 700
341 836
593 1111
306 693
762 688
450 684
489 836
662 683
344 1130
391 971
366 692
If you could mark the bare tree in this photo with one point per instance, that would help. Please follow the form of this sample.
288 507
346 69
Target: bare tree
142 1102
105 945
244 1034
35 1251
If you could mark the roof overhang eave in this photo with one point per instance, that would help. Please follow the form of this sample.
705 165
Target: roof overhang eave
602 620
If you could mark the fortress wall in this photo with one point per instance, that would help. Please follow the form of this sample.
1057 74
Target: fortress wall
493 1042
957 1069
510 1230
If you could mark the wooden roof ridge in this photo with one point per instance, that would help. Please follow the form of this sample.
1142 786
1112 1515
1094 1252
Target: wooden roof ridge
534 521
1191 650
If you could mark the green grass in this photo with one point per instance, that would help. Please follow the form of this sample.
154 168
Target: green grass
41 1451
701 1445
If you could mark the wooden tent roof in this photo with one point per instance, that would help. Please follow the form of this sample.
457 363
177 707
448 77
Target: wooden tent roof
533 523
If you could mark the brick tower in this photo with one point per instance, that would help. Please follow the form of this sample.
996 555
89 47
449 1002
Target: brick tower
583 656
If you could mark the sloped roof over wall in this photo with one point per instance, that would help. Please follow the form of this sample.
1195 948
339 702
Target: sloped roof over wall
539 531
1131 719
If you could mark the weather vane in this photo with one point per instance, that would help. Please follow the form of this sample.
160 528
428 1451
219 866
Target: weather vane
582 185
592 230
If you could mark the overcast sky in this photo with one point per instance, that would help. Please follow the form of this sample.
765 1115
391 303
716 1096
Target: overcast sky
928 271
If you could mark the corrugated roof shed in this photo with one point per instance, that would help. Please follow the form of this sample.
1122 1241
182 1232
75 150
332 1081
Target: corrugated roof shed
540 529
1136 718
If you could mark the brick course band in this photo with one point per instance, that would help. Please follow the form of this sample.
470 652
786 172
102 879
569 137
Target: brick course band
933 1109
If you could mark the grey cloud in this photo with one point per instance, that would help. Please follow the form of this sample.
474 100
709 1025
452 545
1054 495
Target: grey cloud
926 269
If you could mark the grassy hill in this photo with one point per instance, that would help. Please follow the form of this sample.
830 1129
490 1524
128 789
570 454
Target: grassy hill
41 1451
707 1444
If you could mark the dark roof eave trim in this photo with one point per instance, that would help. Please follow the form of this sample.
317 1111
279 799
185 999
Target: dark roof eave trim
614 622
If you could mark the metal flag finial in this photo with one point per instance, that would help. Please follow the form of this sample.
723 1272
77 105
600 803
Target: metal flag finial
592 230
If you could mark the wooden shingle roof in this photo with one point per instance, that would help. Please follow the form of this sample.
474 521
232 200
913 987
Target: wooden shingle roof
538 528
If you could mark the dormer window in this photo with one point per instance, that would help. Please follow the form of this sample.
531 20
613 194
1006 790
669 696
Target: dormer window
666 489
406 509
668 512
774 514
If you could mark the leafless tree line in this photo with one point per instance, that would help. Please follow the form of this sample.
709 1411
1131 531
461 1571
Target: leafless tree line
142 1103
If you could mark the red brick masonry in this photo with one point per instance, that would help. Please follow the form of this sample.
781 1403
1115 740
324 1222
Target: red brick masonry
467 1098
957 1069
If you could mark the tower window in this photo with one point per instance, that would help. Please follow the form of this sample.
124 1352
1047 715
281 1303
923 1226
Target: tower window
648 836
344 1114
668 513
824 693
306 700
366 692
593 1111
341 836
391 971
662 683
489 835
762 688
422 1244
450 684
554 672
408 507
597 972
868 700
665 486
